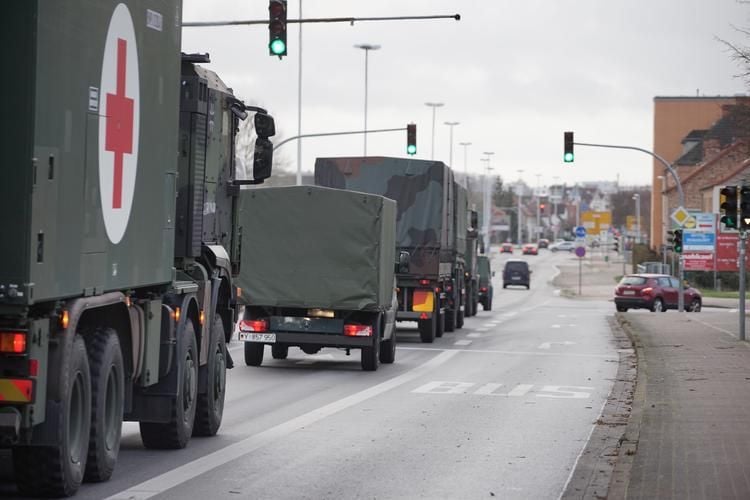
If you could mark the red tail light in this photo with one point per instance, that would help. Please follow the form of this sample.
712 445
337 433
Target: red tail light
12 342
647 291
33 367
424 282
353 330
423 316
254 325
483 289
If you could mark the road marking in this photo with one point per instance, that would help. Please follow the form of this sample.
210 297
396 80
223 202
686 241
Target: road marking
482 329
554 326
190 470
462 342
474 335
442 387
514 353
548 345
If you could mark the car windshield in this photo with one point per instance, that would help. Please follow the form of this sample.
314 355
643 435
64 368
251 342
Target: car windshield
633 280
516 266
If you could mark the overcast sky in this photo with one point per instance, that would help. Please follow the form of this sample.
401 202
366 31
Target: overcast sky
514 73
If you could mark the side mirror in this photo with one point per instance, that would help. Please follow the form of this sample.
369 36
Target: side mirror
474 219
262 159
264 125
403 262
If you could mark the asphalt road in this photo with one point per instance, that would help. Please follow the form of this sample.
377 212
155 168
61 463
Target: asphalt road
502 407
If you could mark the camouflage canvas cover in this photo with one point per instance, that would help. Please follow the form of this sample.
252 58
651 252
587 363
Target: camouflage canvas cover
314 247
485 272
460 215
424 194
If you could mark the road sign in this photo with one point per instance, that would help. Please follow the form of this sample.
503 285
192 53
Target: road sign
698 241
580 251
580 232
680 216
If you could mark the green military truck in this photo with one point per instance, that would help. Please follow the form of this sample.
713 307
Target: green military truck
471 270
120 241
326 276
486 290
431 226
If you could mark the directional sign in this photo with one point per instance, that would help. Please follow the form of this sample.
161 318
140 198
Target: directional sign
580 232
680 216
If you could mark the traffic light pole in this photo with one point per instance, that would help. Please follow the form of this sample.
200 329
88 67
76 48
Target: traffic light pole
324 134
673 173
350 20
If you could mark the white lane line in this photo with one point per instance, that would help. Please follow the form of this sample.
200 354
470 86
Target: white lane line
554 326
515 353
462 342
482 329
190 470
488 325
474 335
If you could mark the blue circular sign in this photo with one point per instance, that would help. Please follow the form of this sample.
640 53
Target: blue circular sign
580 232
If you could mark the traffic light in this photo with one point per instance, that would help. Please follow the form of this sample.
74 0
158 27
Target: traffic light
411 139
568 155
677 241
277 28
670 239
616 245
745 208
541 208
728 199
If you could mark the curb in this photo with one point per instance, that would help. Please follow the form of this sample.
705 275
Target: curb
597 467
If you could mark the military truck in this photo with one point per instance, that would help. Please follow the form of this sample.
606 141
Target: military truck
431 226
471 270
120 240
486 290
327 277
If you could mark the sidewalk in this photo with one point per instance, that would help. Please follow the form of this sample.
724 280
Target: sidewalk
679 429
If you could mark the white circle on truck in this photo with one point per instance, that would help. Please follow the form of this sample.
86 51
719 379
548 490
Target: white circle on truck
119 116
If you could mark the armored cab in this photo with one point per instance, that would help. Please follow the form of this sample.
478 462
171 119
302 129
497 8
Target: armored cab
323 276
429 218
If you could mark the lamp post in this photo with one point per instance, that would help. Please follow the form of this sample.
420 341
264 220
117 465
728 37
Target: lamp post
299 102
433 105
556 180
637 199
538 205
367 48
487 200
664 212
466 169
450 154
519 196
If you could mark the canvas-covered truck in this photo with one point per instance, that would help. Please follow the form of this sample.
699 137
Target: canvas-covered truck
471 271
326 277
119 244
431 226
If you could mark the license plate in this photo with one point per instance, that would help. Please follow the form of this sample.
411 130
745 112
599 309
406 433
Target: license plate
628 292
516 277
268 338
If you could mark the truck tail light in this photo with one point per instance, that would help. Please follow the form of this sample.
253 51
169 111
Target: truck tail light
424 282
483 289
354 330
254 325
33 367
12 342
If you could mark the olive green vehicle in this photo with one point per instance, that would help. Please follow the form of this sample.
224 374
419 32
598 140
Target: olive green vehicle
471 271
431 225
328 273
120 240
486 290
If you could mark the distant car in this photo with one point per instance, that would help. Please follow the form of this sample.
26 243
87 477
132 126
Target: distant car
543 243
655 292
516 272
530 249
506 248
485 282
559 246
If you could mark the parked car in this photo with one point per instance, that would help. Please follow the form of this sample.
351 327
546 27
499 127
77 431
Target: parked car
559 246
530 249
516 272
506 248
543 243
655 292
485 282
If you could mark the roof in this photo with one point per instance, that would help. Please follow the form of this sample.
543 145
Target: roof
692 156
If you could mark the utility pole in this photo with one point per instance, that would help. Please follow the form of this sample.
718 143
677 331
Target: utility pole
520 210
434 106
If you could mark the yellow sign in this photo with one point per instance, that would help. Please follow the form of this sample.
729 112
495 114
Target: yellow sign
596 222
680 216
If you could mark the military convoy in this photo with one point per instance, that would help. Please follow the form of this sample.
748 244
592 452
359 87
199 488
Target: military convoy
327 277
120 242
431 226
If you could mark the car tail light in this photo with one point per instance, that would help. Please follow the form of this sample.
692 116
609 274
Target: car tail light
424 282
354 330
254 325
12 342
483 289
647 291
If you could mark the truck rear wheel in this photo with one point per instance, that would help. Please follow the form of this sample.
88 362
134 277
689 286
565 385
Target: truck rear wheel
254 353
176 433
371 354
388 348
427 329
279 351
213 377
58 470
107 400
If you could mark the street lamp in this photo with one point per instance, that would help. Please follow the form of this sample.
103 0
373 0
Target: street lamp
466 169
487 200
555 222
367 48
450 155
433 105
519 196
637 199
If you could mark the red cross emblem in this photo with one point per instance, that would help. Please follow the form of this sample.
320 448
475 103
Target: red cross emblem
119 134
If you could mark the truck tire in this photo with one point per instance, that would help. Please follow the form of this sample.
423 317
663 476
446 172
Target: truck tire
440 325
176 433
427 329
213 376
370 356
56 471
388 348
107 401
460 319
279 351
254 353
450 320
